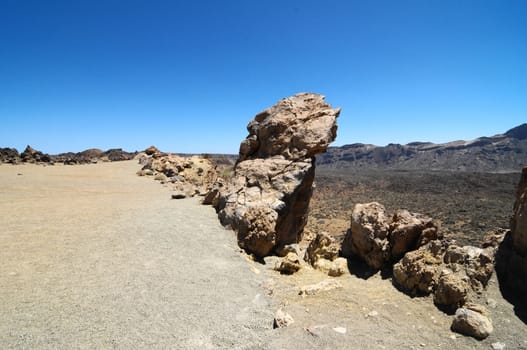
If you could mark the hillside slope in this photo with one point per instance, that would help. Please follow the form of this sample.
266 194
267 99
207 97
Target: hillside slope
500 153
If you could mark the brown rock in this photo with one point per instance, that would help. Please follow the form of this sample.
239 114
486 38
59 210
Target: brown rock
323 246
408 231
368 236
451 291
419 270
275 172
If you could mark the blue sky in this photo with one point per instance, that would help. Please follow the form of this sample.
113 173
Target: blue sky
187 76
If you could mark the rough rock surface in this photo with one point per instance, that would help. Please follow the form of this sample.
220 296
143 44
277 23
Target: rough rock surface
378 240
9 155
323 286
282 319
450 272
267 200
187 176
289 264
513 252
472 320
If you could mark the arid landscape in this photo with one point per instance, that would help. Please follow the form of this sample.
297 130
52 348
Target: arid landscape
97 254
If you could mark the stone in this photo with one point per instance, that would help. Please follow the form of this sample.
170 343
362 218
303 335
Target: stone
335 268
418 272
498 346
289 264
451 291
178 195
322 286
409 231
282 319
267 199
289 248
472 323
323 246
368 237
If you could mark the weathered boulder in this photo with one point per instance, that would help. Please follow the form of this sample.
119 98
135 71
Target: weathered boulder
419 270
472 320
378 240
408 231
452 290
267 200
323 246
368 237
289 264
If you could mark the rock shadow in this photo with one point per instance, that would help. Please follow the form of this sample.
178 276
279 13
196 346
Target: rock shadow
362 270
507 280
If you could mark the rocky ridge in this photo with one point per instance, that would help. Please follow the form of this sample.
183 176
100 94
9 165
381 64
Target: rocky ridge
31 155
503 152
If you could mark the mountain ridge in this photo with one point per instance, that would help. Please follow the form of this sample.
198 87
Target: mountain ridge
505 152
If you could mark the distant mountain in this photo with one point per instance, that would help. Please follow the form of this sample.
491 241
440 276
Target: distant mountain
499 153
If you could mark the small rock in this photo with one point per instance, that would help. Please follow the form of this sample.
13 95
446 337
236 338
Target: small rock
498 346
472 323
323 286
341 330
178 195
282 319
289 264
372 314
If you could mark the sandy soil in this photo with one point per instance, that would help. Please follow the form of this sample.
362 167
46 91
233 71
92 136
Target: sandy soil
95 257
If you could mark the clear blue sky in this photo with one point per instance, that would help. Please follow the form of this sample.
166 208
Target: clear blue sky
187 76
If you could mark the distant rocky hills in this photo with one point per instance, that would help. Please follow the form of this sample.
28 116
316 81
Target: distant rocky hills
31 155
500 153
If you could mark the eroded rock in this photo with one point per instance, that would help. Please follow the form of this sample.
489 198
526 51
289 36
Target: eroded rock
275 171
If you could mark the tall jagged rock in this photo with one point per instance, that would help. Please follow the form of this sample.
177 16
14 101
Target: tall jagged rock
268 198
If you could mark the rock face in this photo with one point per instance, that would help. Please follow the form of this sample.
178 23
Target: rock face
9 155
267 200
378 240
512 264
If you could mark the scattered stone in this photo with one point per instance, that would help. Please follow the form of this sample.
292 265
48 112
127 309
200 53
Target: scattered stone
498 346
341 330
289 264
160 177
472 322
323 286
179 195
372 314
282 319
335 268
274 175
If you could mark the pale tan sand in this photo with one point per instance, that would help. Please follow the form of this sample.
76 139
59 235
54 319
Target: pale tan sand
95 257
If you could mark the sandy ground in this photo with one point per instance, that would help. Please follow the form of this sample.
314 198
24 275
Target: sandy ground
95 257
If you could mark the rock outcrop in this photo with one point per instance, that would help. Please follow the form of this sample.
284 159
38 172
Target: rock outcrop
266 201
9 155
450 272
188 176
512 258
378 240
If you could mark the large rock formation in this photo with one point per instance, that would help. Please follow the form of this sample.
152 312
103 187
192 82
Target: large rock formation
268 197
512 259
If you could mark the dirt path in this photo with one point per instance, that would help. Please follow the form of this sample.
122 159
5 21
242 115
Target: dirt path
95 257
